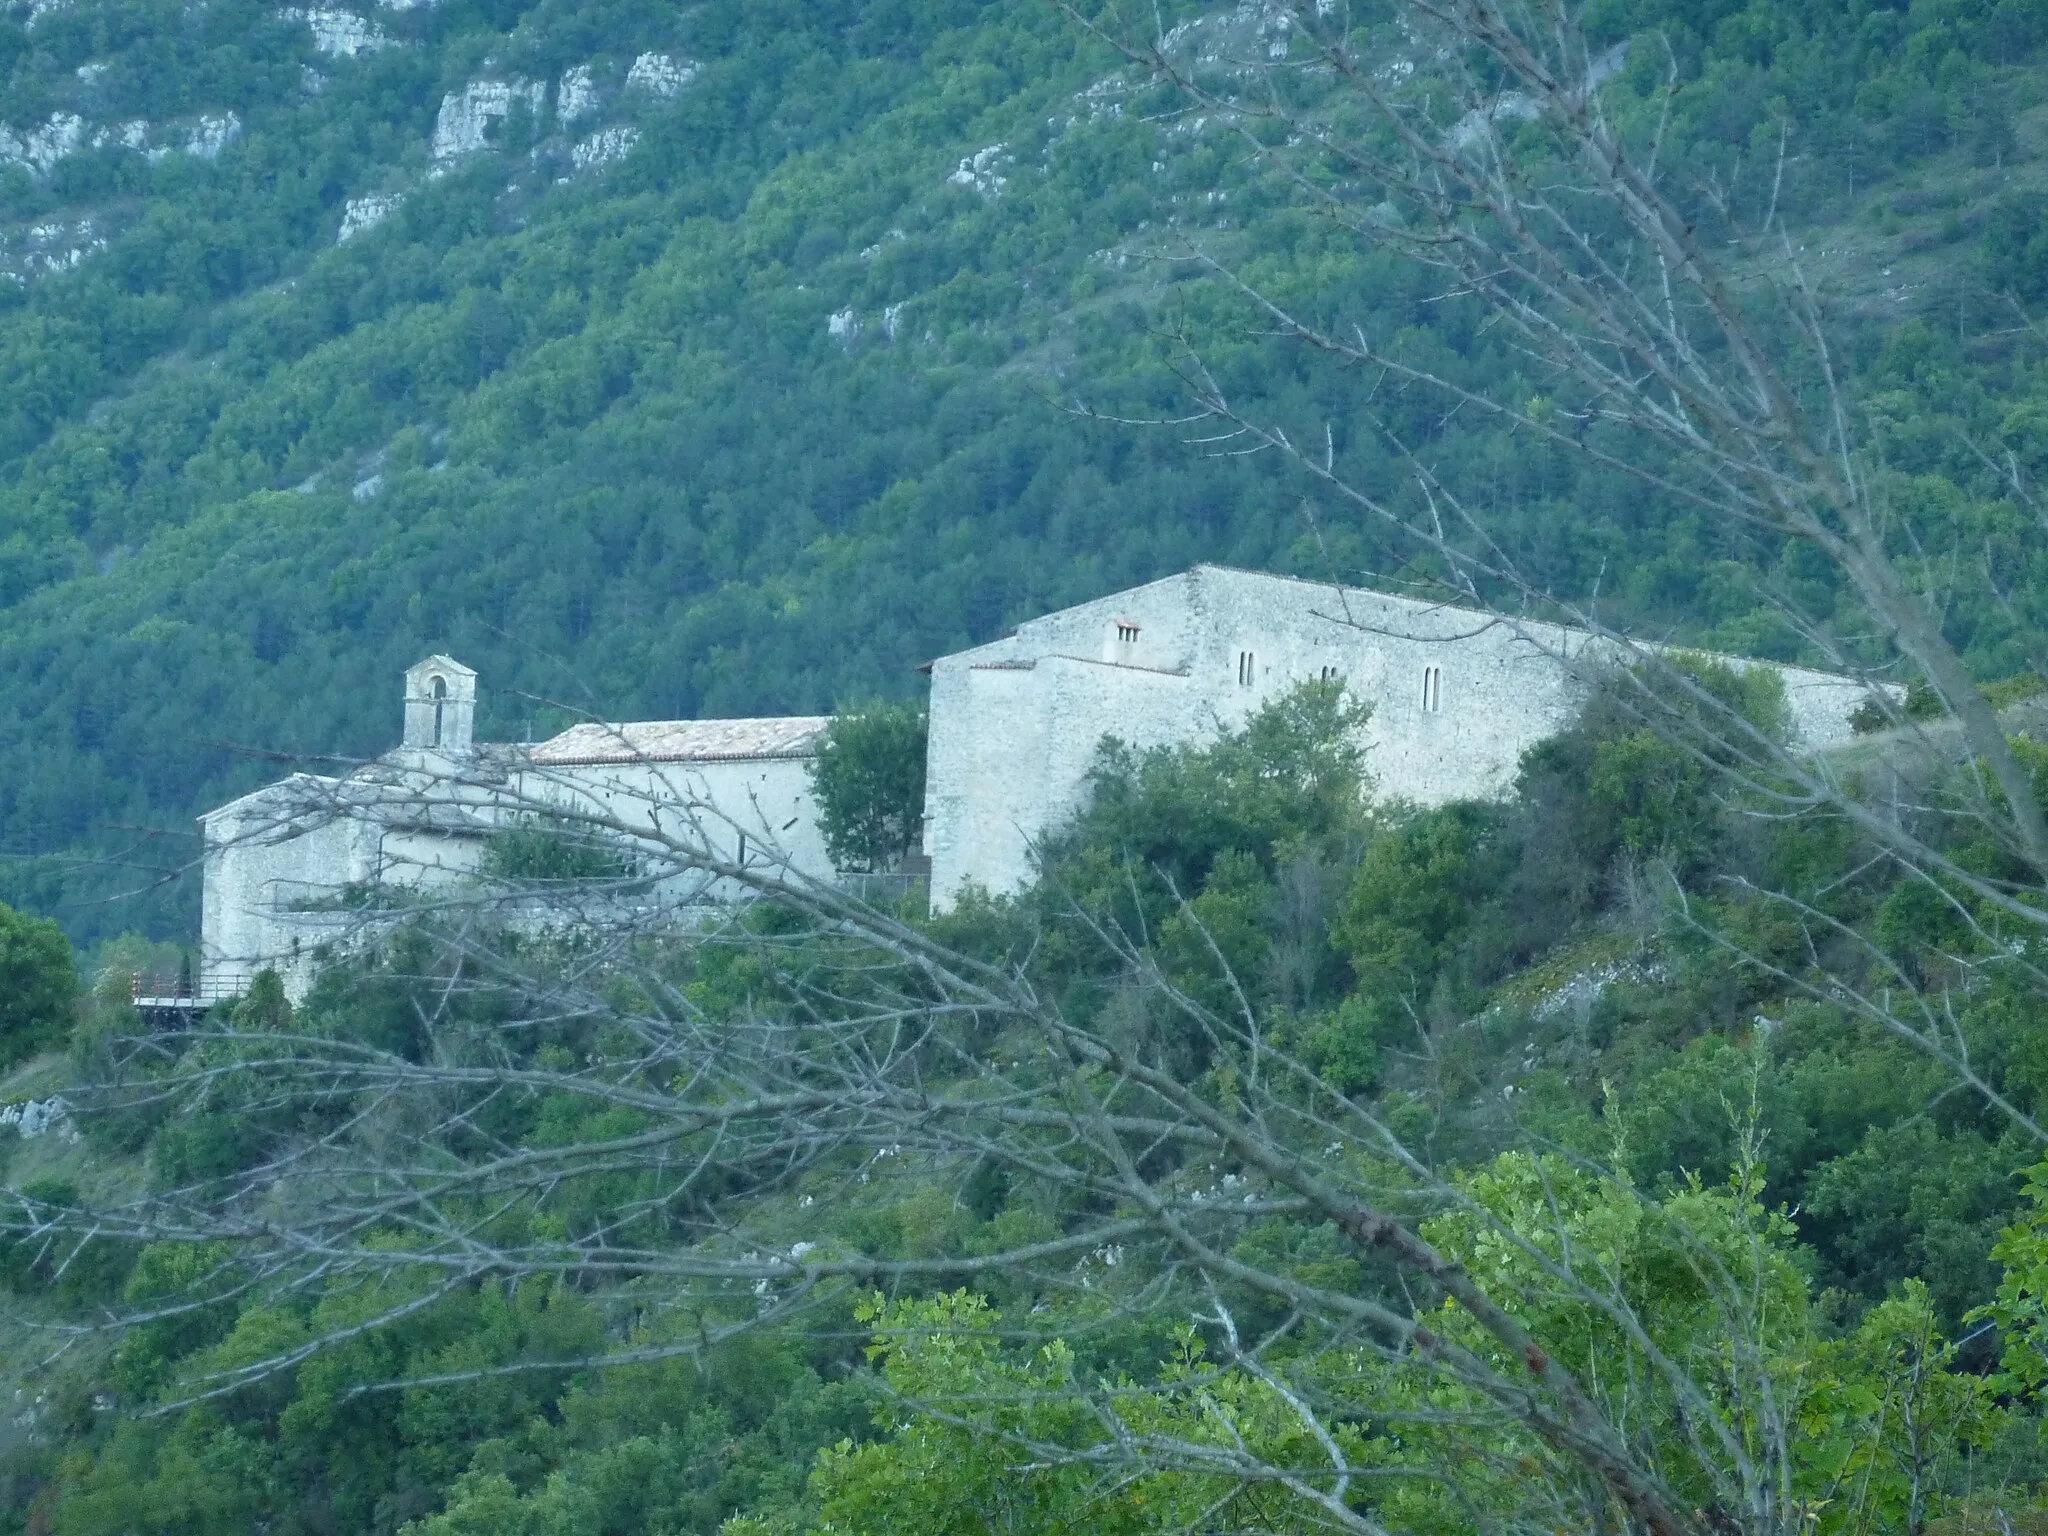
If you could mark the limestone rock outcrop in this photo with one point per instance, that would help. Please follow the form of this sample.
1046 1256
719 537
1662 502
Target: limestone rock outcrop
603 147
363 213
65 133
660 75
470 119
576 97
41 148
342 34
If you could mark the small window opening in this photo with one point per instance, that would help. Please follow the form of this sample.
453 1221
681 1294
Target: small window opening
1432 690
1126 631
1246 669
1331 674
440 706
743 850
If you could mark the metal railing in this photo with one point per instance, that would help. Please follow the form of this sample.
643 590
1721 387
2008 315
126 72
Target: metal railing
883 888
181 991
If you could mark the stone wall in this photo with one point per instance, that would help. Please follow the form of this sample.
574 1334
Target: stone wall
1011 744
273 860
757 812
1457 696
311 865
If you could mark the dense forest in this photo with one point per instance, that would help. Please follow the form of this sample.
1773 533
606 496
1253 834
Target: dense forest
750 386
1655 1149
1477 978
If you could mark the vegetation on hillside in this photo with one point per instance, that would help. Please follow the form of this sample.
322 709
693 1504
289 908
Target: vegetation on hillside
768 411
1658 1148
1733 1152
38 983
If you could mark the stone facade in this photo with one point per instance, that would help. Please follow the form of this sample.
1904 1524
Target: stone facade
1457 696
440 704
314 864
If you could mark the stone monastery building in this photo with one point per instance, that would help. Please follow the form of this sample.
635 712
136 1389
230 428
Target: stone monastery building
1457 696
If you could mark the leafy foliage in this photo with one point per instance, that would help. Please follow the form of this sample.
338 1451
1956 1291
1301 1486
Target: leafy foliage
603 429
38 985
753 420
538 852
1391 948
957 1463
868 781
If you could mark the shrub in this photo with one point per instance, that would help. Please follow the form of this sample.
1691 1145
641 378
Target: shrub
869 782
38 985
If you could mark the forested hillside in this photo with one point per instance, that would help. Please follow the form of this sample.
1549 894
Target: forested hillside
1657 1149
836 1222
723 359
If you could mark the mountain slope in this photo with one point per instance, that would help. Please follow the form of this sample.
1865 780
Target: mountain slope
718 360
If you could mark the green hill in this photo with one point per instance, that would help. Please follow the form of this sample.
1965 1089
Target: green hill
719 359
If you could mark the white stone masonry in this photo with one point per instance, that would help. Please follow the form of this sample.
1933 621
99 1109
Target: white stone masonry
312 864
1457 696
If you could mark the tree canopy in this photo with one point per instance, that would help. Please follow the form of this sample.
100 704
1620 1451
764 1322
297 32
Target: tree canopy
1652 1150
38 985
868 782
606 439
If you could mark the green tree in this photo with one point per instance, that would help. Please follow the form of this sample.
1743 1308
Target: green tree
539 850
1705 1307
2021 1306
1293 775
2014 253
1418 887
38 985
869 782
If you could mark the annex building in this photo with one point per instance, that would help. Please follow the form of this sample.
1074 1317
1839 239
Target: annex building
301 866
1457 695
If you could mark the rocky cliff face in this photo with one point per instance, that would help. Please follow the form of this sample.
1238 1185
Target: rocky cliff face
472 118
82 157
716 352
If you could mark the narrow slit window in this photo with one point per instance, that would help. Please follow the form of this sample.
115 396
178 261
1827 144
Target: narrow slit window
1331 674
1432 690
743 851
1126 632
1246 669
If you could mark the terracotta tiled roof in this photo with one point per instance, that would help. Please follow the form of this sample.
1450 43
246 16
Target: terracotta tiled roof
683 741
